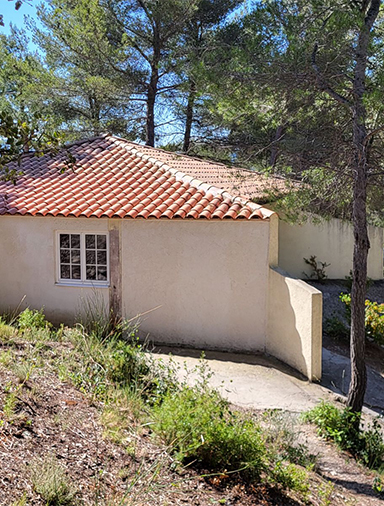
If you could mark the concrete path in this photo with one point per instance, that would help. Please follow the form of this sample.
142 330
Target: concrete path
260 382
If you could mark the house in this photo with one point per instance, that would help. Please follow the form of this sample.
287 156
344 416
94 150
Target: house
330 241
147 232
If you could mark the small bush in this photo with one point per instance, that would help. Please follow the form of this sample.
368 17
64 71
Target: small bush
32 319
318 269
374 318
199 426
336 329
342 427
290 476
51 482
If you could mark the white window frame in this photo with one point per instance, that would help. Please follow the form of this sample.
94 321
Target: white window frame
83 282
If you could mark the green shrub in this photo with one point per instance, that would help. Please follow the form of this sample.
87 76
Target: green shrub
342 426
290 476
32 319
336 329
199 426
374 318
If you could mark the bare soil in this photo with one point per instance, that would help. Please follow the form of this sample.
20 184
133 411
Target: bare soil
52 418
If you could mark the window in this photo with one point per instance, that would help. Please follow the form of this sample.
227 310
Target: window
83 258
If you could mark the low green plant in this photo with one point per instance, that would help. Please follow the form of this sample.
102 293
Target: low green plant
374 318
21 501
342 426
318 269
32 319
336 329
51 482
7 332
10 404
199 426
378 485
290 476
325 493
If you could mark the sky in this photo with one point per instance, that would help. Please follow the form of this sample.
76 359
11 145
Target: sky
16 17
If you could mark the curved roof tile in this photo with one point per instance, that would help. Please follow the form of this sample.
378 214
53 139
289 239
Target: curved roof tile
113 177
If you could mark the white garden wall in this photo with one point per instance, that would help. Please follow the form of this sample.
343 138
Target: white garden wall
331 242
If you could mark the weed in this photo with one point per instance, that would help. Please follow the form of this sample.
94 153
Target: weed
6 358
10 404
290 476
122 410
21 501
378 485
23 370
342 427
318 269
32 319
325 493
7 332
336 329
51 482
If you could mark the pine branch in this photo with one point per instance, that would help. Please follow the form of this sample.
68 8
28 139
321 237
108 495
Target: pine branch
323 84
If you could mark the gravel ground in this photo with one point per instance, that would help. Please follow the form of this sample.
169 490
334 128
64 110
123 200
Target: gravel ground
331 289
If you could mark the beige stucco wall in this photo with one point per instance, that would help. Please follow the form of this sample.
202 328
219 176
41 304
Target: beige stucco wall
331 242
209 280
294 323
28 265
209 277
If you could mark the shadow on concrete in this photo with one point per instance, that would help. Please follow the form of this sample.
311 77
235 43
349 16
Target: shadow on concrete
257 359
263 382
337 375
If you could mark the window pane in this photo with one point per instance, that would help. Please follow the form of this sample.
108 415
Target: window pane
90 257
75 240
101 242
75 256
90 242
65 256
64 240
101 258
65 272
91 272
75 272
102 273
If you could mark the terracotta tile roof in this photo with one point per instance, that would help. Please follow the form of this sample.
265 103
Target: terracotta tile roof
116 178
237 181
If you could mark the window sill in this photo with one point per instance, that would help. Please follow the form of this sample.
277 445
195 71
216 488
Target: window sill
85 284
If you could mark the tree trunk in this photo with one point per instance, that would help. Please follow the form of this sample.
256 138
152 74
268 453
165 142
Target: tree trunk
153 88
274 148
151 99
358 369
189 116
358 383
